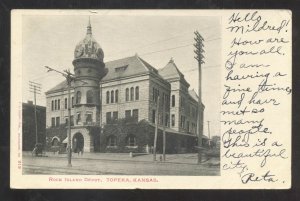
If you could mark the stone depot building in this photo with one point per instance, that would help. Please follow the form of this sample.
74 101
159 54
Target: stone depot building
113 105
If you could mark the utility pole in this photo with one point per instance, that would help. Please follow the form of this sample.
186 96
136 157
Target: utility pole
156 129
35 88
69 80
164 129
199 57
70 77
208 134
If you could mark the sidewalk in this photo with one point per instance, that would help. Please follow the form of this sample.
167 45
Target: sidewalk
190 158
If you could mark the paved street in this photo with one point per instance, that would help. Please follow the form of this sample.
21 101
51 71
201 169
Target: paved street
118 164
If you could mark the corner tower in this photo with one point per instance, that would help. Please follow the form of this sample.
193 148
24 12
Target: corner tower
89 69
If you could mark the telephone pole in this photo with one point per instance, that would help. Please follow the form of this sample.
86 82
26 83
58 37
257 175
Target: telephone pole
69 77
199 57
208 134
156 129
35 88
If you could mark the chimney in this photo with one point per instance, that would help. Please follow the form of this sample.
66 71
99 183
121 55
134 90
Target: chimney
30 102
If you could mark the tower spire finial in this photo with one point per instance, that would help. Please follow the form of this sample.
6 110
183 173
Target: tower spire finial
89 27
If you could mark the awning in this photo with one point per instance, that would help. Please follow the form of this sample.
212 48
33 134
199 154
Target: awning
172 131
65 141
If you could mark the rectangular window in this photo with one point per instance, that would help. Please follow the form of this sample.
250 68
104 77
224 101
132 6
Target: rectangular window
127 113
112 141
72 102
181 102
117 96
135 114
55 106
173 100
188 110
161 119
66 103
167 120
121 69
188 126
57 121
72 120
58 104
182 121
89 117
66 121
153 116
115 116
53 122
78 117
108 117
153 94
173 120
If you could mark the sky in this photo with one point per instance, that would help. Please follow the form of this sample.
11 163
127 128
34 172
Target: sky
51 39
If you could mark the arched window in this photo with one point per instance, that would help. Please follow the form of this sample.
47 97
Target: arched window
78 97
117 96
52 105
112 141
55 105
89 96
127 94
112 96
55 141
107 97
137 95
131 141
131 93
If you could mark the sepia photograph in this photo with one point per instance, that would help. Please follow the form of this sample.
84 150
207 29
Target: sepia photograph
121 94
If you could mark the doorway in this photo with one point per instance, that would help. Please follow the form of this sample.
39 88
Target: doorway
78 143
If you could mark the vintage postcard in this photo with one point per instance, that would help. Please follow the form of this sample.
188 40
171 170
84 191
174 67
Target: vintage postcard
151 99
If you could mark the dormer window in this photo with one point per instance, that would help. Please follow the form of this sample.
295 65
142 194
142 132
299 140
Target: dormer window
121 69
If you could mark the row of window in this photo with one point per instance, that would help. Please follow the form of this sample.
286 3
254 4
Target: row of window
89 97
88 117
134 94
55 104
161 121
112 96
186 125
111 141
130 95
113 116
55 121
130 141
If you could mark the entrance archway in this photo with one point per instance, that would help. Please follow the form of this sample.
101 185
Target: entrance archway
77 143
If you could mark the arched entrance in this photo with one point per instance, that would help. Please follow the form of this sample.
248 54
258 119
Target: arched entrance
77 143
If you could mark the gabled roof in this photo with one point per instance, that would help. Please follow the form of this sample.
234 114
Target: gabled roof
60 87
193 94
131 66
171 71
126 67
